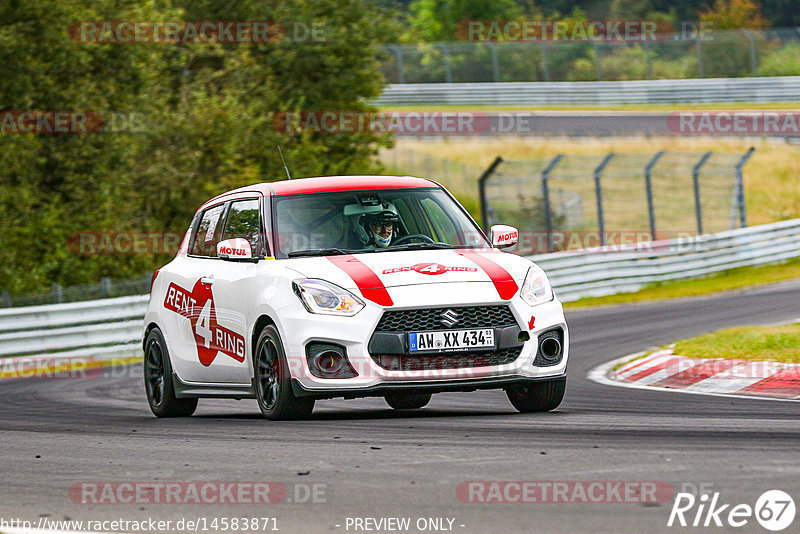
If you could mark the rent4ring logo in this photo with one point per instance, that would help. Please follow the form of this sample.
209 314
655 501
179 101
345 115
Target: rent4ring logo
774 510
210 336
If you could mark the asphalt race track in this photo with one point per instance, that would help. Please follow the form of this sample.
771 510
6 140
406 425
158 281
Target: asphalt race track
377 463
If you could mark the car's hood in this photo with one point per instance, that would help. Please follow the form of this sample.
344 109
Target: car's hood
382 270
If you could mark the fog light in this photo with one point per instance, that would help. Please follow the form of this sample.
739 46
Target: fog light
329 361
551 348
326 360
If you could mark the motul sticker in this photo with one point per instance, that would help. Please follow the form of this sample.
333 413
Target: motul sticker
210 337
429 268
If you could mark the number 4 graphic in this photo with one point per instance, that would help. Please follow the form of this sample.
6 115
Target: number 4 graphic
202 328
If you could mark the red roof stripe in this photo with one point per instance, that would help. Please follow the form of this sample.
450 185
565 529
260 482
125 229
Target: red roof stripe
348 183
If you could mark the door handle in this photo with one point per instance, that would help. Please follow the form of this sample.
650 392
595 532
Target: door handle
207 280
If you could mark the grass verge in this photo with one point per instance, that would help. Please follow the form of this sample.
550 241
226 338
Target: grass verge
749 343
724 281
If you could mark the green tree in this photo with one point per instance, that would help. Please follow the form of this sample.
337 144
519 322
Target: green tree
209 111
438 20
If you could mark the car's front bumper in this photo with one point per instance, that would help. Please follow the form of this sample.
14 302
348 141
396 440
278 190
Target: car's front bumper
298 328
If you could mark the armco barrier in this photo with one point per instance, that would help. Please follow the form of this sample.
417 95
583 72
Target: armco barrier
598 272
701 90
102 329
110 328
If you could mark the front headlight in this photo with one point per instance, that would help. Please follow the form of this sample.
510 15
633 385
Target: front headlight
536 288
319 296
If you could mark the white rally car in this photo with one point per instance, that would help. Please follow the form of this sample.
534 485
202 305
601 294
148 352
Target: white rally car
348 286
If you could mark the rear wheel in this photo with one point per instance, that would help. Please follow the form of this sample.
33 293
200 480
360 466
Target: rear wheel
539 396
272 380
158 380
407 401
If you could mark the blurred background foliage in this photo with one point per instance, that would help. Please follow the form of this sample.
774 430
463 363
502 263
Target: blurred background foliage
209 108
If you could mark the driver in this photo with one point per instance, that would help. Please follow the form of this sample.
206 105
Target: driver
377 229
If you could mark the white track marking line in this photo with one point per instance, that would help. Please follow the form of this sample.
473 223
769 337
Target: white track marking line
644 364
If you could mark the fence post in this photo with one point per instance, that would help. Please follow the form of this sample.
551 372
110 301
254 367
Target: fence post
6 297
648 184
448 69
598 193
548 215
545 67
740 187
482 191
398 57
700 70
58 293
698 210
105 285
752 47
495 61
598 68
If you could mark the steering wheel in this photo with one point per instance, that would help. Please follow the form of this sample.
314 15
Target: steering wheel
409 237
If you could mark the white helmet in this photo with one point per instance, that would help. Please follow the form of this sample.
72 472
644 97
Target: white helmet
382 218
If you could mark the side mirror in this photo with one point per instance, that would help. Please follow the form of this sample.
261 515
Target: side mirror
504 236
237 249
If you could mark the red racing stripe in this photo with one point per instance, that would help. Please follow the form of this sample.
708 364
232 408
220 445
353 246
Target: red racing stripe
367 281
502 280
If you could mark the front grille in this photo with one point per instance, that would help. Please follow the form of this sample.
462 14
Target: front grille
492 316
450 360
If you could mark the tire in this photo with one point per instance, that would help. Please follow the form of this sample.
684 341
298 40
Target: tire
158 380
407 401
538 397
272 381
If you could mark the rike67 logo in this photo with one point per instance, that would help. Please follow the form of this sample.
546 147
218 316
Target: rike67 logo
210 337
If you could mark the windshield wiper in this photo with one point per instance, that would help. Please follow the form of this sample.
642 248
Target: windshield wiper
318 252
414 246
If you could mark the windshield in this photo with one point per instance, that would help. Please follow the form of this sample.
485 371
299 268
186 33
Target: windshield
371 221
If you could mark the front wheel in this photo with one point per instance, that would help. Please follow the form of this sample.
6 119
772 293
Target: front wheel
273 383
158 380
407 401
538 397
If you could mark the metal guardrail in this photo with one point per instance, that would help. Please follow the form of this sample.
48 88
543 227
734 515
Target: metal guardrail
599 272
95 328
756 90
104 329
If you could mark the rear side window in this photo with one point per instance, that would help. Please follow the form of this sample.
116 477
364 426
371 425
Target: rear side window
243 221
208 233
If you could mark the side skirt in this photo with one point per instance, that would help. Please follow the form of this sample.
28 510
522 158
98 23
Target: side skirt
185 390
